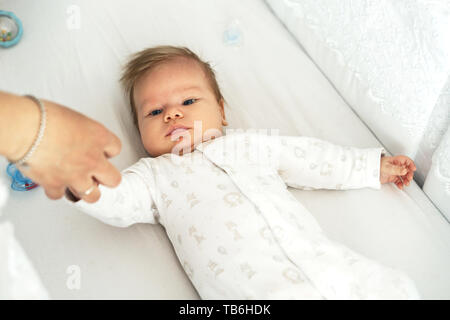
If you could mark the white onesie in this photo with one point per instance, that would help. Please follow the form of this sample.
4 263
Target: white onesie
237 230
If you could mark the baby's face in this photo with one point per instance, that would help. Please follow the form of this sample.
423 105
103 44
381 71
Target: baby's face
176 92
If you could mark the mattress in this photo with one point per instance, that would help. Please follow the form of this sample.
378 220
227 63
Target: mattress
73 54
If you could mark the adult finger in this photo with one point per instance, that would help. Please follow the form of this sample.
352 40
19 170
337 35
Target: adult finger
54 193
90 187
107 174
94 196
113 147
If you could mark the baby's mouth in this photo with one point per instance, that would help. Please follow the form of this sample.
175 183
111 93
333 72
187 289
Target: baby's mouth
178 133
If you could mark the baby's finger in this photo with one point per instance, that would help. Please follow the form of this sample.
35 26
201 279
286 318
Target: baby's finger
406 181
397 170
401 160
412 166
399 183
396 181
410 176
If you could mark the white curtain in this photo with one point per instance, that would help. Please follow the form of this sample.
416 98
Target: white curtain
437 182
434 154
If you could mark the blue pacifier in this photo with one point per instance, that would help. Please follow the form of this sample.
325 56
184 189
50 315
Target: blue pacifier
233 35
11 29
19 182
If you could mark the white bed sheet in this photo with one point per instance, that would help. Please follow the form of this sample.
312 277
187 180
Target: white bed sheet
268 82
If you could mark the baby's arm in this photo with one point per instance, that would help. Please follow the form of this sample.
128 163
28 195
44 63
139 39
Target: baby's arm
312 163
130 202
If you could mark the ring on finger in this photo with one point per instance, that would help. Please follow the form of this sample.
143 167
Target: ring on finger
89 191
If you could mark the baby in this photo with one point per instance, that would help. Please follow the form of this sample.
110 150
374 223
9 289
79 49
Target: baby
222 199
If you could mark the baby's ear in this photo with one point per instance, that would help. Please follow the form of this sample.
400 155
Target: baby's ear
222 111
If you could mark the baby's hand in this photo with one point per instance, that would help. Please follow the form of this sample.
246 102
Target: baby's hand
397 169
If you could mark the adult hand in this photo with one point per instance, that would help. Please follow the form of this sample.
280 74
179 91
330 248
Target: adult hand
73 154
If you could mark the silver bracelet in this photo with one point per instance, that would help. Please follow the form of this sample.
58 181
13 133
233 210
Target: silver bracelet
40 133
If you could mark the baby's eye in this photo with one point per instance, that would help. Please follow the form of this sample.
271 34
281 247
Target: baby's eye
189 101
155 112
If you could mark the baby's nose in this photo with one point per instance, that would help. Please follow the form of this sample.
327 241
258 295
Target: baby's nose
173 115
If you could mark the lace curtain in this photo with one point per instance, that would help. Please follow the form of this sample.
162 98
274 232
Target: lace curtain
436 143
435 135
390 60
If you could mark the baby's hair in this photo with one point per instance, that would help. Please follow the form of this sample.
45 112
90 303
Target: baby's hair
146 60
